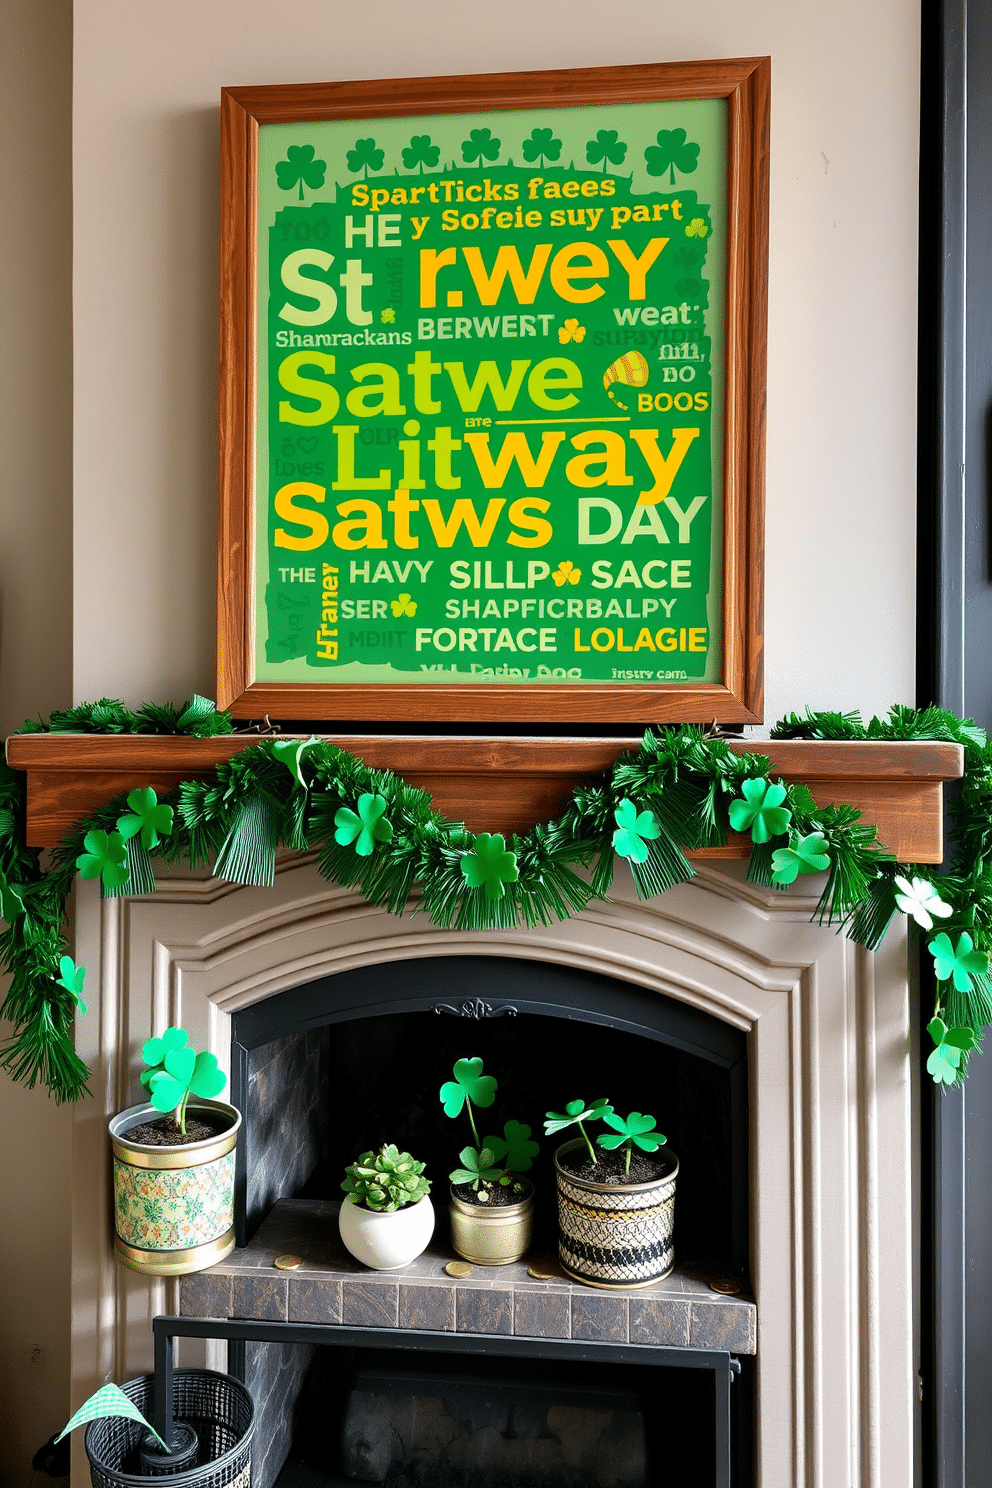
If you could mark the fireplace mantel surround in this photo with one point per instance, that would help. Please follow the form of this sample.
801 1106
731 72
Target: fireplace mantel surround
828 1028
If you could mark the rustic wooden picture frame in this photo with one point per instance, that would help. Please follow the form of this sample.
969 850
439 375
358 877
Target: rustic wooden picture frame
738 696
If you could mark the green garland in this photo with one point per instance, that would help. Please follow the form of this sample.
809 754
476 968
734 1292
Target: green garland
680 791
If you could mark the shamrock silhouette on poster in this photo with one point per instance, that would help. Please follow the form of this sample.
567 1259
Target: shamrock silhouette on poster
696 228
404 604
421 151
607 146
301 168
571 331
480 146
672 153
540 146
365 157
566 573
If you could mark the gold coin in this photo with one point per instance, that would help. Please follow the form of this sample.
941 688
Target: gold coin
540 1273
458 1268
728 1288
288 1262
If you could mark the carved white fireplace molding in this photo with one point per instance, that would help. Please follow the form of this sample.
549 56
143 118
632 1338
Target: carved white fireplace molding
830 1132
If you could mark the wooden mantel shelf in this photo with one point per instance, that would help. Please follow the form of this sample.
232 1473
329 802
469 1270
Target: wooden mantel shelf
500 785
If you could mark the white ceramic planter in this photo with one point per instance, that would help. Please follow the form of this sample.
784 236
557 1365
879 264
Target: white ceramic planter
385 1242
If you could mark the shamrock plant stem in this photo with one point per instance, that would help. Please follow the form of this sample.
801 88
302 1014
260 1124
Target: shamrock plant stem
585 1138
471 1122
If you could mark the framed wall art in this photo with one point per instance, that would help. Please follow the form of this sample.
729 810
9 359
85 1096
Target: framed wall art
492 396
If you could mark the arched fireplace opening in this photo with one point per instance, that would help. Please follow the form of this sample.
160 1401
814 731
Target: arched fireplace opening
327 1070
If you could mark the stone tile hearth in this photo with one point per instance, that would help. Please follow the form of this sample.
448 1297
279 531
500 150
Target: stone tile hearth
330 1288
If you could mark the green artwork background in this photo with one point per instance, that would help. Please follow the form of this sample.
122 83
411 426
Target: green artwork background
525 553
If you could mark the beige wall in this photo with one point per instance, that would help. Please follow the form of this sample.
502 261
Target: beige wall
35 660
841 405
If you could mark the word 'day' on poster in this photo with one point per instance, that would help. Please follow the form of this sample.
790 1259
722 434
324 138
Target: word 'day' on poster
490 397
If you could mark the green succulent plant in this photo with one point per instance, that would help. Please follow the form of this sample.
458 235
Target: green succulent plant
385 1180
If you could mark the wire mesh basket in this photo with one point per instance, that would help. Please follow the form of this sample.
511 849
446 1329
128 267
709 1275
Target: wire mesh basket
218 1409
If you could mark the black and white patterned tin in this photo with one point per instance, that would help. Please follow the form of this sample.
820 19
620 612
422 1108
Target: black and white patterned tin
614 1236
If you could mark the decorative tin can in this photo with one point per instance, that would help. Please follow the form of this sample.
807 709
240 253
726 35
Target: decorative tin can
174 1205
613 1235
492 1237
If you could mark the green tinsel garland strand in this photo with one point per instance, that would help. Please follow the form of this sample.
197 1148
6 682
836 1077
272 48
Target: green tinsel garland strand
684 781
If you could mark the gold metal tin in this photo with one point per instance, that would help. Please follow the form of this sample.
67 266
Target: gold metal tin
174 1262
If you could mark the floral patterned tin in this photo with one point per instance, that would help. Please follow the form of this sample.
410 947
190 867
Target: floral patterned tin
174 1205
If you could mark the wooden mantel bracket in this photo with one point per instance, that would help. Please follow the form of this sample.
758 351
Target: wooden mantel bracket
496 785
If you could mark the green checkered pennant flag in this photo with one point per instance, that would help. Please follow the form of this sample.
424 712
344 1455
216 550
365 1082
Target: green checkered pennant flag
109 1400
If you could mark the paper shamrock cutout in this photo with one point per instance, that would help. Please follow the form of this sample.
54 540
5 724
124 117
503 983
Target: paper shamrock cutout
364 829
403 604
952 1044
672 153
921 901
696 228
571 331
490 866
566 573
803 855
179 1072
761 810
105 858
541 145
421 151
109 1400
300 166
480 146
634 1130
147 817
71 977
958 963
607 146
290 752
469 1084
514 1147
635 829
476 1167
577 1113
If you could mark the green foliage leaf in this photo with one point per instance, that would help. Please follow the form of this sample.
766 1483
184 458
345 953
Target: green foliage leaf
637 1128
72 977
385 1180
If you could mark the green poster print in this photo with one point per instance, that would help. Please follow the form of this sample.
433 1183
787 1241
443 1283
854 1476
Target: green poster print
490 397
